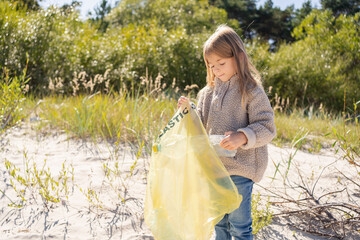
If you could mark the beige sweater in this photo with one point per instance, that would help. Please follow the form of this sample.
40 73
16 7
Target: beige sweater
220 111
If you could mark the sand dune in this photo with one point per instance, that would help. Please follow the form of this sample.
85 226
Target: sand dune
116 210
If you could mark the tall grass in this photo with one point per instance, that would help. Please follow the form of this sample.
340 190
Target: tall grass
321 126
113 117
12 94
133 116
136 115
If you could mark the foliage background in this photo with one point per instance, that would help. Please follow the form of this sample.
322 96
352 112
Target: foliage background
310 56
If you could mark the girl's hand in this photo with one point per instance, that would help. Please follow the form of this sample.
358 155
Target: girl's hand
233 140
182 100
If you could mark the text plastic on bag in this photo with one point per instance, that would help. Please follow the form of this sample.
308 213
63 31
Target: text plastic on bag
188 189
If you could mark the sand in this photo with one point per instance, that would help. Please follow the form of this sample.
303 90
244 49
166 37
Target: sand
117 212
317 172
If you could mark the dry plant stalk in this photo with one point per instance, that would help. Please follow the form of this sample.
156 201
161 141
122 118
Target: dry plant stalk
80 83
313 214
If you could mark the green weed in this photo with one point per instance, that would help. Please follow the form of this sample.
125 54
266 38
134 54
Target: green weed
344 140
12 95
32 182
318 124
261 214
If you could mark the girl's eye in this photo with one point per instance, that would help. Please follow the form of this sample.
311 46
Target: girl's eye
222 64
211 66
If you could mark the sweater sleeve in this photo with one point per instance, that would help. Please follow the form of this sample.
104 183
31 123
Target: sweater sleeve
261 129
199 106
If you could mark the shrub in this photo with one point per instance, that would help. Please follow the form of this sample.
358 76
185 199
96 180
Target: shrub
322 64
12 94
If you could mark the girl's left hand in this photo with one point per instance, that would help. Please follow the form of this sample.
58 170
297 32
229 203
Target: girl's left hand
233 140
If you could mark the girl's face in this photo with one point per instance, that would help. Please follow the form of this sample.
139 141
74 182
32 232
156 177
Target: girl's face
222 68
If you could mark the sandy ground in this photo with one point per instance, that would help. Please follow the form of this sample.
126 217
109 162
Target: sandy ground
120 196
320 174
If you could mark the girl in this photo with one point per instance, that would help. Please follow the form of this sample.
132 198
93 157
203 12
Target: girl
234 104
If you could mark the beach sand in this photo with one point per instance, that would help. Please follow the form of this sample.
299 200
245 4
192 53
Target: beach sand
116 210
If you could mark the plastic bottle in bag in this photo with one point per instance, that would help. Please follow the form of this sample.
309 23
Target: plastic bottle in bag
221 152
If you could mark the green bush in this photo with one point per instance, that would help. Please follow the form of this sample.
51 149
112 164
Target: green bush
12 94
59 44
322 64
166 37
195 16
56 43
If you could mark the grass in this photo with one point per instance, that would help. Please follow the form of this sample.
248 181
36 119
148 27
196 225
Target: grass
12 94
135 115
121 118
260 213
116 118
319 127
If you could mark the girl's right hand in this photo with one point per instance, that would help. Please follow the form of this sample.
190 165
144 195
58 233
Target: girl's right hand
182 100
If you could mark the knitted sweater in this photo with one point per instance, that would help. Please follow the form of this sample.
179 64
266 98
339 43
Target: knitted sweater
220 111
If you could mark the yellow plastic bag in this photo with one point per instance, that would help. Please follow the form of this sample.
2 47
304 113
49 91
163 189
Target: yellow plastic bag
189 189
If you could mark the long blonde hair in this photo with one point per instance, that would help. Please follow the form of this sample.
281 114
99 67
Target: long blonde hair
226 43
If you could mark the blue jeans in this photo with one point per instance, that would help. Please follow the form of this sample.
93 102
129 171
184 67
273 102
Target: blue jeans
237 224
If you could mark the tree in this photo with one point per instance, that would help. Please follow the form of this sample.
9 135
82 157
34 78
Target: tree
73 4
341 6
268 22
68 8
193 15
273 24
165 37
322 64
301 13
100 12
31 4
243 11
